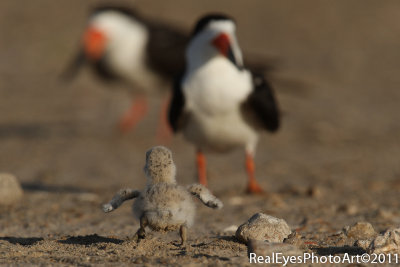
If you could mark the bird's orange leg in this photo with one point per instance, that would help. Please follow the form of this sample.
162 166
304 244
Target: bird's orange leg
133 115
253 187
164 130
201 168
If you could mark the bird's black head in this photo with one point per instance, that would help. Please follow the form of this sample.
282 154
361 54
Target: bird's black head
120 9
205 20
214 35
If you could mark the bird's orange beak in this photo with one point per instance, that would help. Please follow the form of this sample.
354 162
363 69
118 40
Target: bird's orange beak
222 43
94 42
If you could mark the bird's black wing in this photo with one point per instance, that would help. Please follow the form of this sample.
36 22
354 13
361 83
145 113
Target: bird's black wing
261 107
176 107
166 49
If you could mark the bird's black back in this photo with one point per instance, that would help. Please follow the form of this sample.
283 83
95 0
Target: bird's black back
261 106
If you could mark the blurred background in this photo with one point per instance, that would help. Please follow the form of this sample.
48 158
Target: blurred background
337 83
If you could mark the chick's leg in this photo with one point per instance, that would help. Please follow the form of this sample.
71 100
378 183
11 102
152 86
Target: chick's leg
183 234
141 233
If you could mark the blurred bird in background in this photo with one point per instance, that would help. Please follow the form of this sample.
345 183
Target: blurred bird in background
121 45
217 103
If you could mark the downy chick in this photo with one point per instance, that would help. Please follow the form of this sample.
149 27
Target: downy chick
163 205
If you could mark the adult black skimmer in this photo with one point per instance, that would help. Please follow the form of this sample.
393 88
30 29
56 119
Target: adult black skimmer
218 103
121 45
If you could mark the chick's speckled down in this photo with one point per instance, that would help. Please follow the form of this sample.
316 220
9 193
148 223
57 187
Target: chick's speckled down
163 205
167 206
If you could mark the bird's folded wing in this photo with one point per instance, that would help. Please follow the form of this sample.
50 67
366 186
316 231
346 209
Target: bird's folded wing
262 105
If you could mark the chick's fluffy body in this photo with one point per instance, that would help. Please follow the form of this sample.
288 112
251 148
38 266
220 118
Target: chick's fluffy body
166 206
163 205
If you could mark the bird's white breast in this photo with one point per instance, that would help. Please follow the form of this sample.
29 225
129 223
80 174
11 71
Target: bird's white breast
214 94
126 48
217 87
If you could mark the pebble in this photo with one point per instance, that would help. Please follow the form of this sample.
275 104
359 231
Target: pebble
388 242
364 244
295 239
349 209
88 197
10 189
235 201
315 192
263 227
277 201
384 214
231 228
360 230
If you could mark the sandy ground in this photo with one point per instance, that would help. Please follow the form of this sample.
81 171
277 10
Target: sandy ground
334 162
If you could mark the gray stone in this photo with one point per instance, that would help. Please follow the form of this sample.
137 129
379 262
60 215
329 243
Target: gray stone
388 242
10 189
263 227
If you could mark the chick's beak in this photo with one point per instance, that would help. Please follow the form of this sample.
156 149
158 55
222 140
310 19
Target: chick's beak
94 42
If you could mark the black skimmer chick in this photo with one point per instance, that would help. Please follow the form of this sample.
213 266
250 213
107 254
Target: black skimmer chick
218 104
163 205
119 44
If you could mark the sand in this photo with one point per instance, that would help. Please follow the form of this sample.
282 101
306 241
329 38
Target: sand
334 162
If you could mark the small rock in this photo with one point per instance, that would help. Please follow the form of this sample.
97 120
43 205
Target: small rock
349 209
277 201
295 239
384 214
365 243
388 242
314 192
231 228
235 201
360 230
10 189
263 248
263 227
88 197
